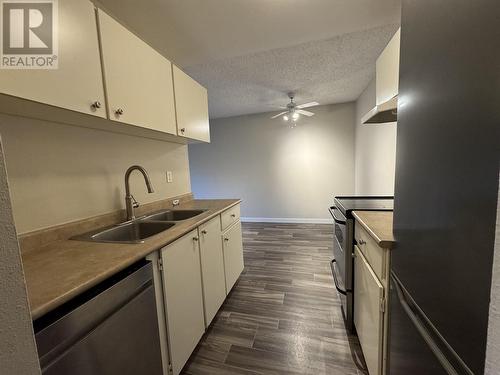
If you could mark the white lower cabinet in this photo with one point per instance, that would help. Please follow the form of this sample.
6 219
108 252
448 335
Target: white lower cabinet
368 312
372 264
233 254
193 277
183 297
212 268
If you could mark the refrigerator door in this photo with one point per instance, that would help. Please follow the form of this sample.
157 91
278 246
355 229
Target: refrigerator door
416 346
446 183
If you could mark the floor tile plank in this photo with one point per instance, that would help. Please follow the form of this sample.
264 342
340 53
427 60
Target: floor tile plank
283 315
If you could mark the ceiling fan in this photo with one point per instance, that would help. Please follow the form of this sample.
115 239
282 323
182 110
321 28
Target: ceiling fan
293 111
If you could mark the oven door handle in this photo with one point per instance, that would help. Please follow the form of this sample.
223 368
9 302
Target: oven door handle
335 279
335 218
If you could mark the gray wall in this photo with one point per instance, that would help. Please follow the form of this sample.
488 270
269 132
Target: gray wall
375 150
281 174
18 353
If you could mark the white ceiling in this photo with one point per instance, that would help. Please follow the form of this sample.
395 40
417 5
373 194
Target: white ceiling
250 53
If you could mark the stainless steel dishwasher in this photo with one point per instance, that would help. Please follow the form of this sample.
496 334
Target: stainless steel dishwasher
111 329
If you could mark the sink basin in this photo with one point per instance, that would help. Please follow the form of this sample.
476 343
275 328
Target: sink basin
140 229
131 232
173 215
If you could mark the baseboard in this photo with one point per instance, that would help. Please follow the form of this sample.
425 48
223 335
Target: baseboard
286 220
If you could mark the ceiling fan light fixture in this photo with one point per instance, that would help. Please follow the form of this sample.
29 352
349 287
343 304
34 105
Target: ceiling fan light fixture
293 111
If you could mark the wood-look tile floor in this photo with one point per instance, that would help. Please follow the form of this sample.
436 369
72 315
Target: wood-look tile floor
283 316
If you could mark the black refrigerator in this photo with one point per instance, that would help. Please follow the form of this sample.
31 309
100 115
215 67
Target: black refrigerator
446 186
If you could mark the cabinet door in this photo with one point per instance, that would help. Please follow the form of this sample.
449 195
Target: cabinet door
233 254
138 79
387 71
183 297
212 268
368 314
77 83
191 104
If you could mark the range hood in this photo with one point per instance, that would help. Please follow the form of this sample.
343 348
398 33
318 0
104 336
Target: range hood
384 112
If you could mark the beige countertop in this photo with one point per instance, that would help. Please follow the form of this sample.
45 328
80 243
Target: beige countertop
63 269
379 226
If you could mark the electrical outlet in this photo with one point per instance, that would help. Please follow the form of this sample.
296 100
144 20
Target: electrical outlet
170 176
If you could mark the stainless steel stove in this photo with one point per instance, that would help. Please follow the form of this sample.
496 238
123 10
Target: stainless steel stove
343 245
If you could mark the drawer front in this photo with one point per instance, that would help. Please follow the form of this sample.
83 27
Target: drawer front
229 217
372 252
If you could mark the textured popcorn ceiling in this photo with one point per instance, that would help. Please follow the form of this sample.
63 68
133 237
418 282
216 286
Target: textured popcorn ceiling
250 53
336 70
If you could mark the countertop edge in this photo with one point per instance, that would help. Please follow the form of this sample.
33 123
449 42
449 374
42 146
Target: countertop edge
383 243
43 309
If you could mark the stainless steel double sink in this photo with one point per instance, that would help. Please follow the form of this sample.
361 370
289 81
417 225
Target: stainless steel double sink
138 230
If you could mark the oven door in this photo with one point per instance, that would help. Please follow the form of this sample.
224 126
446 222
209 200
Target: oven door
342 267
339 249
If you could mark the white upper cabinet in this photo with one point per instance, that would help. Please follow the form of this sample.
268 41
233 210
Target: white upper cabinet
77 82
387 85
191 104
138 79
387 71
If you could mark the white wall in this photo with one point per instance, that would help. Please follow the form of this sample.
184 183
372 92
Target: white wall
375 150
493 343
18 353
60 173
280 173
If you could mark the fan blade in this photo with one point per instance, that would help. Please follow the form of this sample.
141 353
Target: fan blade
279 114
305 113
306 105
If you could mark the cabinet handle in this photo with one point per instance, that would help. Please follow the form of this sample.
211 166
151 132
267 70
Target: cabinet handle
119 112
95 105
362 242
233 215
183 130
204 232
226 239
195 238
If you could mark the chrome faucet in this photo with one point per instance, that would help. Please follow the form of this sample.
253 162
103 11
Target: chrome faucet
130 202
